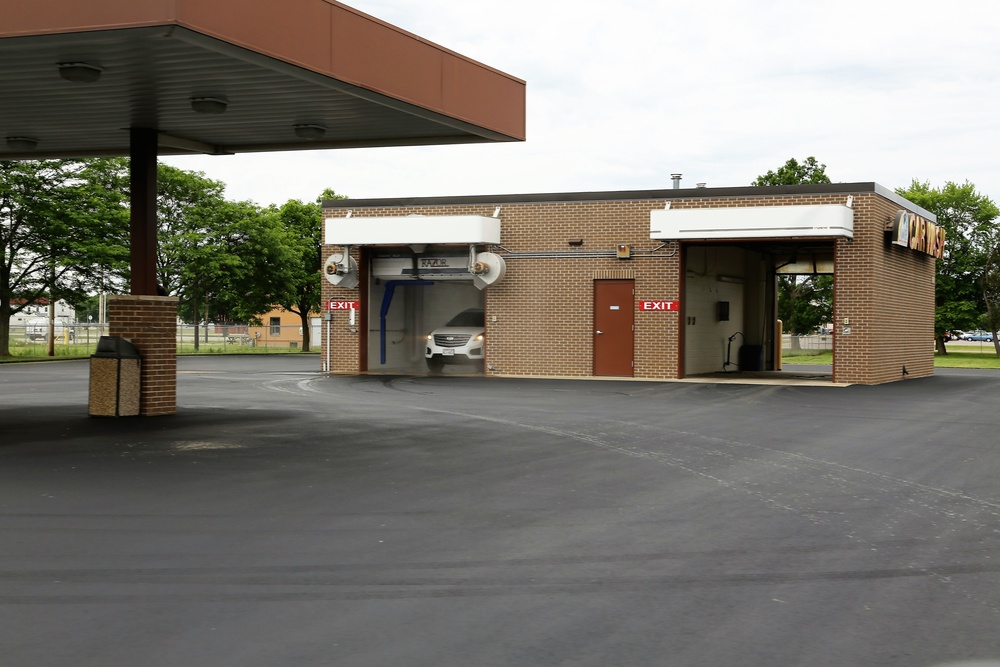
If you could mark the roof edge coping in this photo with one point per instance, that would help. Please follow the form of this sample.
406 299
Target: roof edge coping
635 195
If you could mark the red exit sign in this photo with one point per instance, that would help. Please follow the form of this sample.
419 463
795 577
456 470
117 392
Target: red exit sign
343 305
660 305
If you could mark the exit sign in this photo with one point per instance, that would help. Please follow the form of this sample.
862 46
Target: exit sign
660 305
343 305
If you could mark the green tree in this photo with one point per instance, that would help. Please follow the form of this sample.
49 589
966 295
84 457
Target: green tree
258 256
187 264
304 225
968 219
56 228
184 203
990 286
105 195
804 302
793 173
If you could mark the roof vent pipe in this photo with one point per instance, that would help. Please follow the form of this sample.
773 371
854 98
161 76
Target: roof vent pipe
676 178
702 185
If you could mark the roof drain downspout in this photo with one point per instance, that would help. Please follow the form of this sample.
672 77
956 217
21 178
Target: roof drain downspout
390 289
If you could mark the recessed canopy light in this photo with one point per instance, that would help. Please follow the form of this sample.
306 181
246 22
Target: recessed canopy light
310 131
80 72
22 143
209 104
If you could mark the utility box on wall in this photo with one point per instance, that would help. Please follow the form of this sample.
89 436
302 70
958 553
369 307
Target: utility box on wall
723 307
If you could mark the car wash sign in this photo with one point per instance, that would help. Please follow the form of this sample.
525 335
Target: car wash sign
662 306
915 232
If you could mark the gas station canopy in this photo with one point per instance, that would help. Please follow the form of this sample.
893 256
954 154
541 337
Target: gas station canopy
231 76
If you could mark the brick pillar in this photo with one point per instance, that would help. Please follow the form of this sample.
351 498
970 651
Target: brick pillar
150 324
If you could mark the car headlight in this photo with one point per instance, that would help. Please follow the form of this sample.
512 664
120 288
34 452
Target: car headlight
430 336
479 337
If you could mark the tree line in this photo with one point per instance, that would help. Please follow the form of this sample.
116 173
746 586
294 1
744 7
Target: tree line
64 234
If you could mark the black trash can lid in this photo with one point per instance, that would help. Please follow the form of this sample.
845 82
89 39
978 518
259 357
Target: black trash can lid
116 347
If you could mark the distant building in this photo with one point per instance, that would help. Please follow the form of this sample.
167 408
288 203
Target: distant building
65 313
282 328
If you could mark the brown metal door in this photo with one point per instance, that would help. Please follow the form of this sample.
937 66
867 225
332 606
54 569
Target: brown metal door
614 316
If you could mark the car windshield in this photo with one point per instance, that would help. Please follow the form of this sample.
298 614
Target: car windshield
468 318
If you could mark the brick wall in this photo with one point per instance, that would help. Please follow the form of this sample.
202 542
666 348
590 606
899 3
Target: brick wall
150 324
543 307
887 295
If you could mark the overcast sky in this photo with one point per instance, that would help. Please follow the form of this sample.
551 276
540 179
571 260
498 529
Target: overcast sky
620 95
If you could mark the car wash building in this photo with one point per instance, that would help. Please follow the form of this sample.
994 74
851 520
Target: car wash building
657 284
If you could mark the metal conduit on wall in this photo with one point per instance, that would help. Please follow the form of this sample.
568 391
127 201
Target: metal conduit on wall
580 254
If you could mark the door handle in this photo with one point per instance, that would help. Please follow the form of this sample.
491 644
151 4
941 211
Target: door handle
599 332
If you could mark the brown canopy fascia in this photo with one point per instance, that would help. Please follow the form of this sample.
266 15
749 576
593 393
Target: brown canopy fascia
275 66
152 77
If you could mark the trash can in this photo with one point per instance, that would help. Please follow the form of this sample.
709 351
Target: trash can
115 378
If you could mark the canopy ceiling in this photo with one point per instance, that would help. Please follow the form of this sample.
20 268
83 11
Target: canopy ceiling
351 78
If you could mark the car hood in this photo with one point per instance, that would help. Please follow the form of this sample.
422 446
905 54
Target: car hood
471 331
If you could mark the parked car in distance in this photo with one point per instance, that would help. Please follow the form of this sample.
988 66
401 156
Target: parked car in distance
980 336
954 334
459 341
38 329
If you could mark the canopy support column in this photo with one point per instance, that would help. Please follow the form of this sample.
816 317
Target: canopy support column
146 319
142 154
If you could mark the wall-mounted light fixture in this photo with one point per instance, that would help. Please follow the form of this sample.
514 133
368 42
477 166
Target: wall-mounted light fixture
209 104
22 143
730 279
80 72
576 242
623 250
310 131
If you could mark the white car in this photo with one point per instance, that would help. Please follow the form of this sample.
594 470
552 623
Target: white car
459 341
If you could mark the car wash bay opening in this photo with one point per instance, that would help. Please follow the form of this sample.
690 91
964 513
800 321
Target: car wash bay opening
657 284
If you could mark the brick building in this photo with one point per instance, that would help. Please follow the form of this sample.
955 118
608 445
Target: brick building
283 328
659 284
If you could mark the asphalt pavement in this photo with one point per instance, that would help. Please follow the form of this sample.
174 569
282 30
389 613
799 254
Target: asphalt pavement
287 517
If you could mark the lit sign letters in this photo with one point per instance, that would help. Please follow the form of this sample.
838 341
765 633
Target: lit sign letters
918 233
343 305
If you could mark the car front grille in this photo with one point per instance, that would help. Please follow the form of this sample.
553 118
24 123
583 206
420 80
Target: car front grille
451 340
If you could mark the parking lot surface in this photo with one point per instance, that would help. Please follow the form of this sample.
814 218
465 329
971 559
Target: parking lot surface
286 517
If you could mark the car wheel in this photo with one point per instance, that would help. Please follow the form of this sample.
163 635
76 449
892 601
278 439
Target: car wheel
435 365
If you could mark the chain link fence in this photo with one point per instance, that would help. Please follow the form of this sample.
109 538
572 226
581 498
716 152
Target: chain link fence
81 339
78 340
814 344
